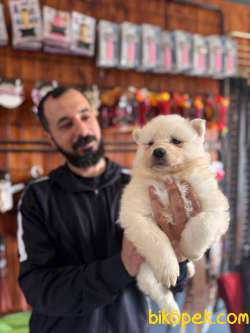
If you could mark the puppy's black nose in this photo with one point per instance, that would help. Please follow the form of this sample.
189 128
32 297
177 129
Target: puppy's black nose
159 153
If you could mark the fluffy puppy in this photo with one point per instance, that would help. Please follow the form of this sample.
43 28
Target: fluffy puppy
171 146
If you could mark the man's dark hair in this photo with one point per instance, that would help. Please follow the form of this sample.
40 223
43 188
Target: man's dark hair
55 93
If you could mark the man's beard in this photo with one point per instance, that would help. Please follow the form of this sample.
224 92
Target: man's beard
89 157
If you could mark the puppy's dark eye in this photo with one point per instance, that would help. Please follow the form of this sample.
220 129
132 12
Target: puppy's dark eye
175 141
151 143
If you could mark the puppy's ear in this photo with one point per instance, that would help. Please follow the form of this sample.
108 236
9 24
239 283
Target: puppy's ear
136 135
199 125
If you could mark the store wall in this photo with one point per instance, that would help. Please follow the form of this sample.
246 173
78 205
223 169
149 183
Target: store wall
21 124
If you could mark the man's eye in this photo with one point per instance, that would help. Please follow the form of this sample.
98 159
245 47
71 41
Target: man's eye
151 143
65 126
85 118
175 141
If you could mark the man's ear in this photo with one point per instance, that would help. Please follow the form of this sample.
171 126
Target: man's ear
199 125
136 135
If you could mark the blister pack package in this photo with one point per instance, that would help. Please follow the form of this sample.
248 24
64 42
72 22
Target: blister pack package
3 31
26 24
230 57
166 63
83 34
56 30
215 56
130 45
199 55
182 51
150 47
108 44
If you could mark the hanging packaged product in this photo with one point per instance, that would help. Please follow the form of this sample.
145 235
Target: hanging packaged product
198 107
142 98
26 24
83 34
6 198
3 31
230 57
126 110
164 103
166 62
56 30
150 48
182 51
217 168
122 111
6 302
40 90
93 96
222 106
108 41
130 45
199 55
7 190
215 56
11 93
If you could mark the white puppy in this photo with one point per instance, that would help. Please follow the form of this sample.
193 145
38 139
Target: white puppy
170 146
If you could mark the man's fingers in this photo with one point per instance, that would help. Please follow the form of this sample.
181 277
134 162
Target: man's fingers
191 195
154 198
152 193
177 207
174 195
140 259
170 185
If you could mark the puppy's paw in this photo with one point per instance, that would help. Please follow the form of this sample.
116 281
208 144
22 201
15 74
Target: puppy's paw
191 251
170 275
197 237
168 271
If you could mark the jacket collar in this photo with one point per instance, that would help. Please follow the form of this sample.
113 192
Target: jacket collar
70 182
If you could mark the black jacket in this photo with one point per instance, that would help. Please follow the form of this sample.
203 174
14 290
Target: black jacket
70 266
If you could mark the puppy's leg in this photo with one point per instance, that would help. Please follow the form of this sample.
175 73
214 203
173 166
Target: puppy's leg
200 233
150 286
154 245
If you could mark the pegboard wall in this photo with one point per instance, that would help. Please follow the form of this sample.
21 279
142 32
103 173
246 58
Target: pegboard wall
31 66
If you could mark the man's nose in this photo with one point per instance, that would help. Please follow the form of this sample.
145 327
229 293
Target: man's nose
80 127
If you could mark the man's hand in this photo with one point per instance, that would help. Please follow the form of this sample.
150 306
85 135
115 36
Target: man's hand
173 231
131 259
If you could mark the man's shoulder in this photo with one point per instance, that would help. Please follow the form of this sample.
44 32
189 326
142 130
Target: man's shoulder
45 182
37 188
41 182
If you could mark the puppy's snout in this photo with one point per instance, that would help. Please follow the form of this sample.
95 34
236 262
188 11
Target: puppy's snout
159 153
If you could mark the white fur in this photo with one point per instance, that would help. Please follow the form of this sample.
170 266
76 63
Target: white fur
187 162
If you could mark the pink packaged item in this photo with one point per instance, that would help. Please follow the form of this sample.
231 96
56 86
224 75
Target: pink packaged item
130 45
56 30
108 39
150 57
